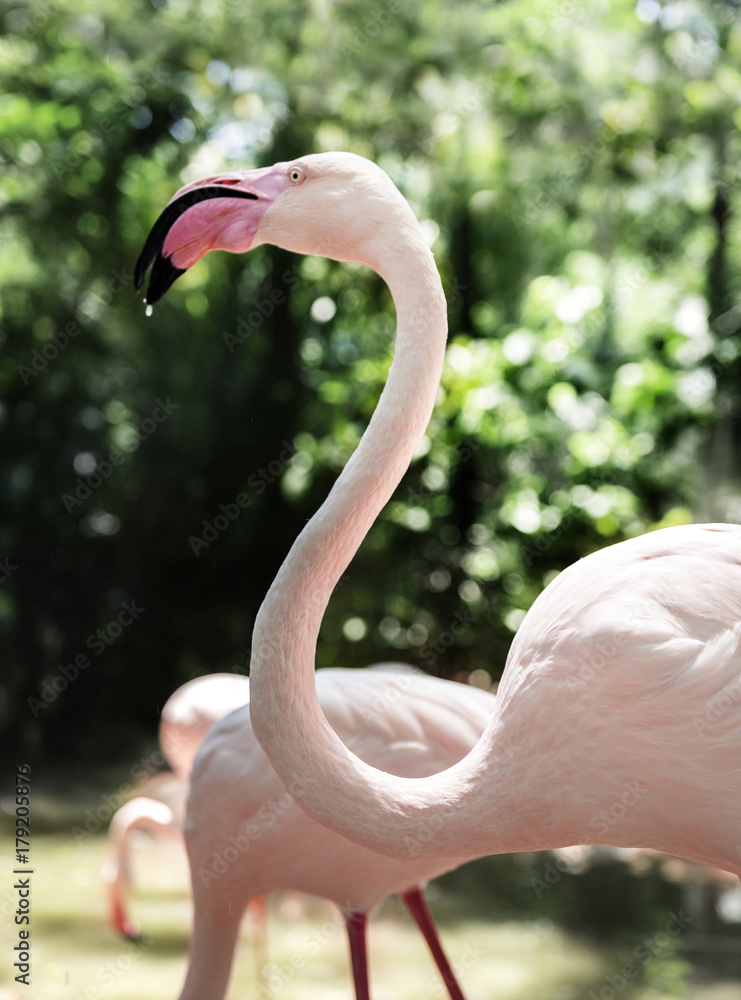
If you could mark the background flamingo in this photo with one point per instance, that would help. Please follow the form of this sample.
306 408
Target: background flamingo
246 837
186 717
623 683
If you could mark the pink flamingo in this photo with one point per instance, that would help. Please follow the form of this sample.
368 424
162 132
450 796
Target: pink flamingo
621 695
246 837
186 717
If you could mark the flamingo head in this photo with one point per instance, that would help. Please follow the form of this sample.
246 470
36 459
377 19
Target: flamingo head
334 205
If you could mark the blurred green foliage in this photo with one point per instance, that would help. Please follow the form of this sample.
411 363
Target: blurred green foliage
577 168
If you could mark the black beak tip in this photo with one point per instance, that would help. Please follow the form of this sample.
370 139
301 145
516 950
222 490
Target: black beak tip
164 274
139 273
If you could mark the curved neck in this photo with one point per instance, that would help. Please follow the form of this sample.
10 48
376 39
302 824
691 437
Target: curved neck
330 783
325 547
294 606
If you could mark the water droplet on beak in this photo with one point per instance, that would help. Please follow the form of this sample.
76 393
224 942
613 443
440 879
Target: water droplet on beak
149 310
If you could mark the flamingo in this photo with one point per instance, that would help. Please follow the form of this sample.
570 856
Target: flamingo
186 717
621 694
246 837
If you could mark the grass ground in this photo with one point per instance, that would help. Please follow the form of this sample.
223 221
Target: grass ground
77 957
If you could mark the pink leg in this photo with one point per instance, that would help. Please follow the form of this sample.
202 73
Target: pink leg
258 908
121 922
418 908
355 923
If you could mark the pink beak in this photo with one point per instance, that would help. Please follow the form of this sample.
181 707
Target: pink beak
216 213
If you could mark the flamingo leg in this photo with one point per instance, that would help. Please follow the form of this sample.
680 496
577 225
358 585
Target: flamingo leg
355 923
121 923
213 941
417 906
141 813
258 908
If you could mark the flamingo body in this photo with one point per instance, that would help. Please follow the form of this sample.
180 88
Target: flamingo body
619 719
186 717
638 647
401 721
420 726
189 713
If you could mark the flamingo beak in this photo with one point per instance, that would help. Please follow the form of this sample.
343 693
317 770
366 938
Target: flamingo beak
216 213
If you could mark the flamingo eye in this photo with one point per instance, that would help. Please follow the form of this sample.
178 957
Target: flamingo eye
295 175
